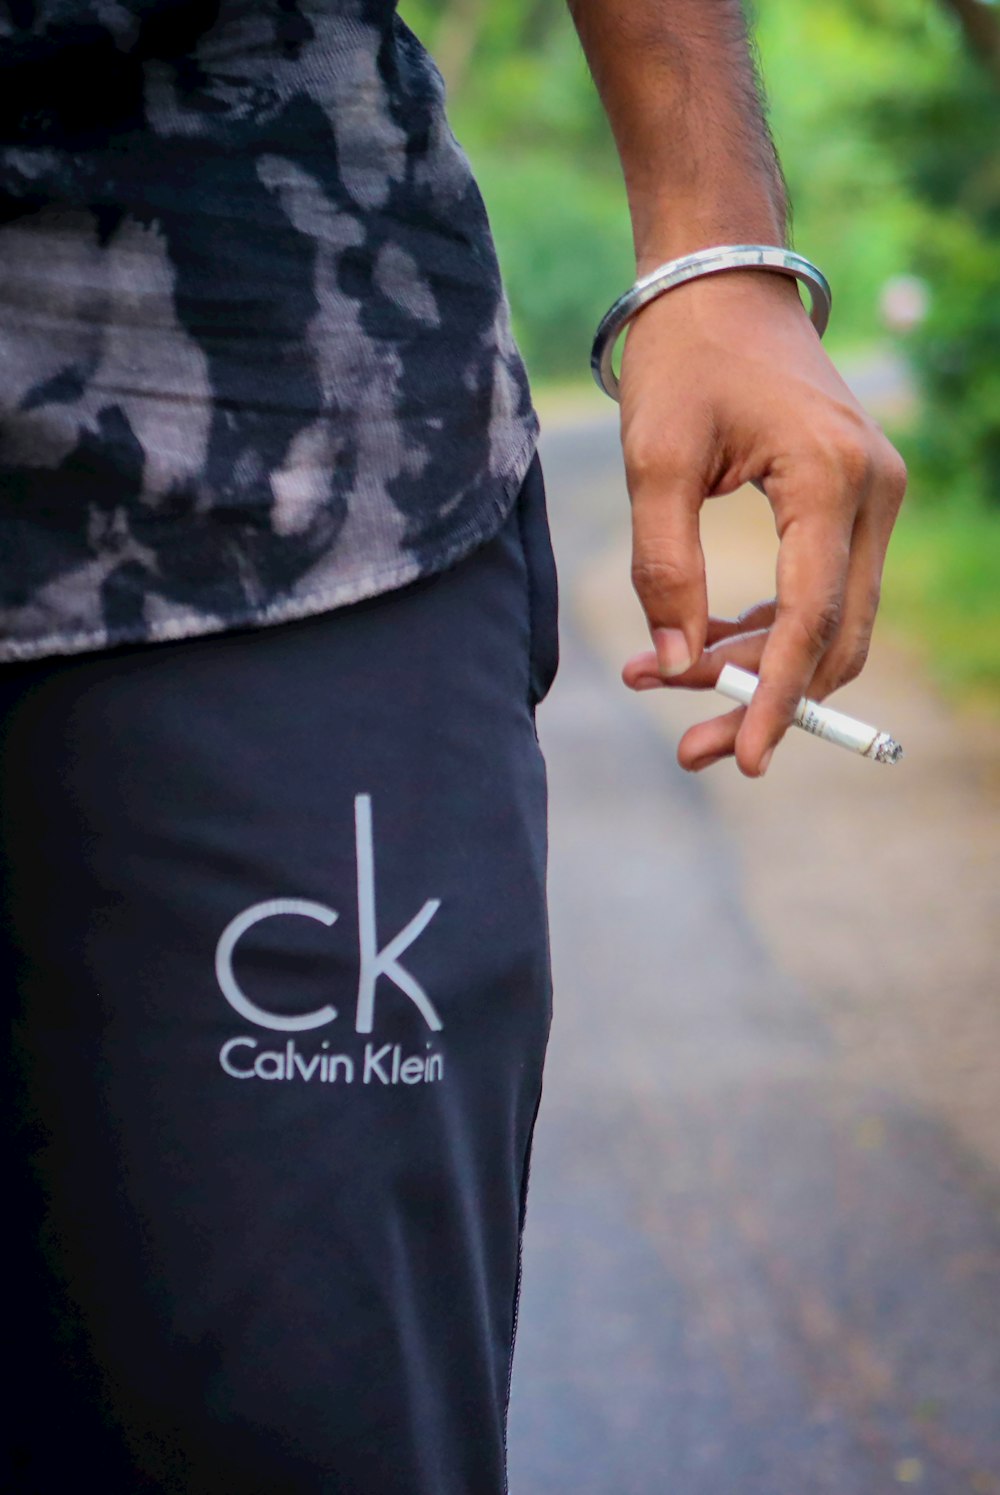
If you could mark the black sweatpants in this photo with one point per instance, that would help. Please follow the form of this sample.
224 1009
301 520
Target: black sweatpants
274 943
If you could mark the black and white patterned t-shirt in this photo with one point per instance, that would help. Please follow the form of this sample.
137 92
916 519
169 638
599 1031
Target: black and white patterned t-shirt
255 354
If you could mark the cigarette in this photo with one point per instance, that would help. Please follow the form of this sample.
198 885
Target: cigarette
821 721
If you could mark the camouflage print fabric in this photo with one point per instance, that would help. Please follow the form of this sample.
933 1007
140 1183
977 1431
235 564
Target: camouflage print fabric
255 354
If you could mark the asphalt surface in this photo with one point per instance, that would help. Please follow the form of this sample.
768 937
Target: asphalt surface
745 1272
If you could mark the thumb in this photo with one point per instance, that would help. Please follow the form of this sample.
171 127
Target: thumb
668 573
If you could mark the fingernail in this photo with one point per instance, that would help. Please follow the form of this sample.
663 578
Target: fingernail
649 682
672 653
766 760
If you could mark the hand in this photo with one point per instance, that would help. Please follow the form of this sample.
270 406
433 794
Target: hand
724 380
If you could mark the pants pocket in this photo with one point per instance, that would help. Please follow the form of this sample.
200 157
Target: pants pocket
542 582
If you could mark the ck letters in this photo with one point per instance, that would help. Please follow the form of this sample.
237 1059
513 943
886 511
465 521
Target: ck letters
241 1057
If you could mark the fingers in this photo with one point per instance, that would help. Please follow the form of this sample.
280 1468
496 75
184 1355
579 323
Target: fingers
812 573
729 640
846 656
741 641
750 620
726 383
834 512
710 742
830 563
668 567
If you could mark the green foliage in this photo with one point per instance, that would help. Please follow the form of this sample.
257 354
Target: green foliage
941 588
890 136
851 211
955 449
558 265
947 130
523 105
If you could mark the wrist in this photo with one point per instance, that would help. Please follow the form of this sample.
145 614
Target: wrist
713 299
719 260
684 229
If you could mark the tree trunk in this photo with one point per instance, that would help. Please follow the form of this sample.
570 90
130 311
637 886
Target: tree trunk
980 25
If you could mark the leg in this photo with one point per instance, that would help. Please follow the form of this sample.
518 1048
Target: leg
269 1194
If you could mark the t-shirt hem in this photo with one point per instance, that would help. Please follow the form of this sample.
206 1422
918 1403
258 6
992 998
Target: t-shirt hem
500 493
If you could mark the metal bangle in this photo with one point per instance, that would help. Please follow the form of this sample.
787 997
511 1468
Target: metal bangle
691 267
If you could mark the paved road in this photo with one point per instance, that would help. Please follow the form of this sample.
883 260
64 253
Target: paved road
745 1274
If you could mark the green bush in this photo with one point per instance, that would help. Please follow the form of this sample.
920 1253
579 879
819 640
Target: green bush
947 131
954 450
941 589
565 246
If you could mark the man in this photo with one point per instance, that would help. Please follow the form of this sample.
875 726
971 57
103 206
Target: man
277 610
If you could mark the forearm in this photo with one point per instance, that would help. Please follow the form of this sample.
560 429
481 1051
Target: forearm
677 81
725 381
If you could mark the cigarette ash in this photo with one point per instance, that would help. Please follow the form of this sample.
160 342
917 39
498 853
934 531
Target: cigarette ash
884 749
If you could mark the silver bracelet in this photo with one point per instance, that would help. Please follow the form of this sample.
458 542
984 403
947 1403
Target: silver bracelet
691 267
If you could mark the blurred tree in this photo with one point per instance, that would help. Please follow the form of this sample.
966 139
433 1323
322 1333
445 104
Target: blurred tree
945 128
981 26
523 105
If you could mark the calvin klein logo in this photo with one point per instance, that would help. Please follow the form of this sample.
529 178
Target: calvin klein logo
373 961
243 1059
